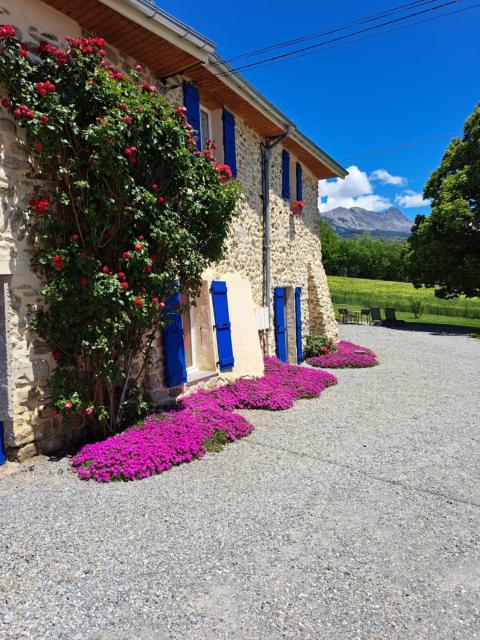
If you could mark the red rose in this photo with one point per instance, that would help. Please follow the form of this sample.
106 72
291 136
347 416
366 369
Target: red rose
44 119
103 63
75 237
7 31
41 206
105 269
155 300
162 305
138 247
38 147
148 268
123 106
138 302
121 275
23 53
127 120
155 187
161 199
84 282
124 285
56 355
6 103
141 238
126 255
89 411
58 262
139 68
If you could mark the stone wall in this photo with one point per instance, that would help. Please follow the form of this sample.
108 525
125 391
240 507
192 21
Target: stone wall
30 427
296 253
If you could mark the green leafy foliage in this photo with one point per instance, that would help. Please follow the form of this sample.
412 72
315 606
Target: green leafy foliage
364 257
125 210
445 246
318 345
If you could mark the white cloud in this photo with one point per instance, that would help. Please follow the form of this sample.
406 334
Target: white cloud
383 176
410 199
354 191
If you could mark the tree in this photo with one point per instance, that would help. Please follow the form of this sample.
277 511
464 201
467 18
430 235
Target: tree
125 211
444 248
364 257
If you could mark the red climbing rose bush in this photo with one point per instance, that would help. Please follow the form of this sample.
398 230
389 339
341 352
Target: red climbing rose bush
124 209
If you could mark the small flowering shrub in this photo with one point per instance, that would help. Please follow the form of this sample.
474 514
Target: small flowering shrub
345 357
124 207
206 419
318 344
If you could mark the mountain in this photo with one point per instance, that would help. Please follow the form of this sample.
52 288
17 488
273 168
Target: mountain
390 224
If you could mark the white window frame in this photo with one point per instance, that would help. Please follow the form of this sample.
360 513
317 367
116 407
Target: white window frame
209 118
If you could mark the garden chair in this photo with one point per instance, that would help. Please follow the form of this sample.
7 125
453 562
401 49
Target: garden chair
376 316
345 315
390 315
366 313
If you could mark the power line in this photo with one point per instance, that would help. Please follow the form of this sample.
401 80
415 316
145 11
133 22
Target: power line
310 48
375 35
401 146
319 34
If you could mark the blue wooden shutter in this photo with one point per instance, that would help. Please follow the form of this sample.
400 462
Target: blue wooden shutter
191 100
299 181
222 325
280 328
3 457
285 175
175 369
298 323
229 141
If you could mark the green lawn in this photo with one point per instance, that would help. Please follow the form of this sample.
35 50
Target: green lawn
357 292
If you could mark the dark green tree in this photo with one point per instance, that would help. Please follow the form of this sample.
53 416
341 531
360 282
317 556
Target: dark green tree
445 246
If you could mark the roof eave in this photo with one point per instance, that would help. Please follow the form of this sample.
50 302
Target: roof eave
164 25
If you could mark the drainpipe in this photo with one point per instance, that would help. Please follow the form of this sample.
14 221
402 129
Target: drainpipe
270 144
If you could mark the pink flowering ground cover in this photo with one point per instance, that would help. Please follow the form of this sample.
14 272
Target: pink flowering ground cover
180 435
344 357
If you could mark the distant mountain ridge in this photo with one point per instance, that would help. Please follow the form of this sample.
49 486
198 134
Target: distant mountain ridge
350 223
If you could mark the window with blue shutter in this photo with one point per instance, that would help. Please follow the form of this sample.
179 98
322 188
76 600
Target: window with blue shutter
280 325
222 325
298 323
175 369
191 100
3 457
299 181
229 141
285 175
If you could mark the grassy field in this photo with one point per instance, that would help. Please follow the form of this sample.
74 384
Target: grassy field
356 292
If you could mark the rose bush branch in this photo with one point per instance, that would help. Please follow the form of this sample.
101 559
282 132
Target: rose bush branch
124 211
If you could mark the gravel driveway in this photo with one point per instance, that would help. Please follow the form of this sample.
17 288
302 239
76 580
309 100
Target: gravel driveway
354 516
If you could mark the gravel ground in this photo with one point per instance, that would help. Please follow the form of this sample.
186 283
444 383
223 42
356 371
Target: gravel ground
350 517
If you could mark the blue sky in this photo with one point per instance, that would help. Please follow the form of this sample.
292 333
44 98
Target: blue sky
385 91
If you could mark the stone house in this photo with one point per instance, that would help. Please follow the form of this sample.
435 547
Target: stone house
268 292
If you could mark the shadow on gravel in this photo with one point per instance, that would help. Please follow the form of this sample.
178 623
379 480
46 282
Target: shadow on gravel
433 329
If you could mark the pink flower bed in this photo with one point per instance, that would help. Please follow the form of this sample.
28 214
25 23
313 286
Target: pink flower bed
179 435
345 356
